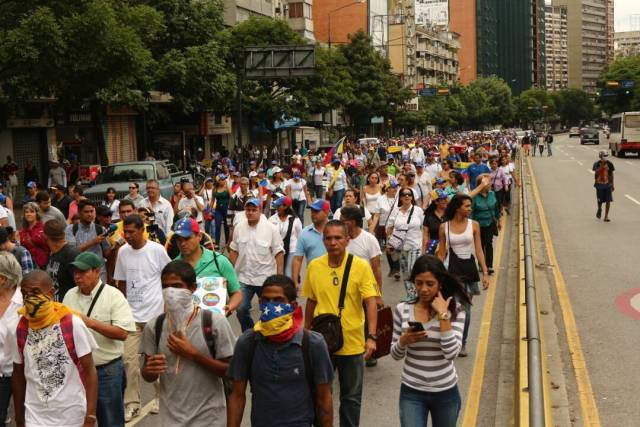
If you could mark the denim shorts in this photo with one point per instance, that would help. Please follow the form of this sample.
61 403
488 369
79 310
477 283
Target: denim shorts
473 288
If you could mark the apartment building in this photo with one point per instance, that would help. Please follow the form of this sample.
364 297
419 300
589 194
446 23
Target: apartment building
627 43
436 56
236 11
299 16
557 61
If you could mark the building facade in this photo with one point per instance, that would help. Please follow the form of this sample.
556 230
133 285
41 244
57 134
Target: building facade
556 48
462 21
627 43
437 56
236 11
299 16
587 41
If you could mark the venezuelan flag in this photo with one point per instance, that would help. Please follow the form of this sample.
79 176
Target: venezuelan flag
278 321
335 150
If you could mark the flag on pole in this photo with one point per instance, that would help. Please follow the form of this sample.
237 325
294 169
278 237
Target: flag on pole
335 150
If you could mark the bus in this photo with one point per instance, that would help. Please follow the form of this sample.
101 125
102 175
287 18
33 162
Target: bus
624 133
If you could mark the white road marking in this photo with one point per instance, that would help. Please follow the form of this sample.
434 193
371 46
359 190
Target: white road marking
632 199
629 163
590 171
580 163
573 158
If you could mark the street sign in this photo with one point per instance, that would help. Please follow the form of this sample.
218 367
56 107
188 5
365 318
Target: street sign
608 92
443 91
628 84
279 61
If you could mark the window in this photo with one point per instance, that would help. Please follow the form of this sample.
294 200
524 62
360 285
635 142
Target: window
632 121
296 10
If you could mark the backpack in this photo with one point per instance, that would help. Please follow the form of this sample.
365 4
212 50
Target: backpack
99 229
66 326
207 331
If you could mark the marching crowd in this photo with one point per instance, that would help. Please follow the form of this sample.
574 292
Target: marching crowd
98 296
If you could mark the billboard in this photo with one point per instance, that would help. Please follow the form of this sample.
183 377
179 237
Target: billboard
432 12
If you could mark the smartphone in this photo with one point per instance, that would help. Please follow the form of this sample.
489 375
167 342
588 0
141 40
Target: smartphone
416 326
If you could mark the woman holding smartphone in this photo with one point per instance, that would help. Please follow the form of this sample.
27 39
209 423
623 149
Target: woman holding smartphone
427 334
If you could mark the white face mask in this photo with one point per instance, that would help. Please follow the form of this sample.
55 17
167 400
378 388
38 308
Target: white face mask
179 306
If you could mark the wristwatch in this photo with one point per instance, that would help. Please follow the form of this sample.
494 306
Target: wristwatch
444 316
372 336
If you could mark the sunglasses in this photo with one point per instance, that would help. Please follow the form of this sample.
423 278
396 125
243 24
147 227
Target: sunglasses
133 187
407 195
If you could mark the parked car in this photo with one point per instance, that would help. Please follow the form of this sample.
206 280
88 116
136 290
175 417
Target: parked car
589 135
574 131
119 176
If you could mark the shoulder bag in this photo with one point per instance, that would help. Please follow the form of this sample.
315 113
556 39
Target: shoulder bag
329 325
396 241
465 269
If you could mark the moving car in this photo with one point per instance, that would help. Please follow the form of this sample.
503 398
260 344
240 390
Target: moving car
590 134
119 175
574 131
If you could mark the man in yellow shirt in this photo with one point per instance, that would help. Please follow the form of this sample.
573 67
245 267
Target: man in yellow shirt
322 285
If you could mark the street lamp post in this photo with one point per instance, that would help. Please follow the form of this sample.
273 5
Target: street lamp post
340 8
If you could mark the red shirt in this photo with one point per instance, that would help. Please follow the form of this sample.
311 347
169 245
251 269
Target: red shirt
33 240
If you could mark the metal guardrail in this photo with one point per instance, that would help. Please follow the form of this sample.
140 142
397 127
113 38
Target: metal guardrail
528 309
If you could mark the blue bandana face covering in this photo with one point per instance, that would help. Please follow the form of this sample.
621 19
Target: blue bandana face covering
271 310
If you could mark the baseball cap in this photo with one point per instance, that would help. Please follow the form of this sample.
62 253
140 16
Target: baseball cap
419 164
438 194
86 261
58 187
4 235
603 154
252 162
296 174
31 184
284 200
186 227
335 161
252 174
253 202
320 205
440 180
276 169
393 183
103 210
274 162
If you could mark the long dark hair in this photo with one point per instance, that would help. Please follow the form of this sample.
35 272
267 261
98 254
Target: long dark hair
451 286
399 196
454 204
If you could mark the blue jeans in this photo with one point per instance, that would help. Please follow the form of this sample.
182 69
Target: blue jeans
244 310
336 199
549 149
415 406
112 381
221 220
298 208
209 228
5 397
350 374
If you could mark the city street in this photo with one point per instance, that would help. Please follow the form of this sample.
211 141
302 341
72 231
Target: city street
598 263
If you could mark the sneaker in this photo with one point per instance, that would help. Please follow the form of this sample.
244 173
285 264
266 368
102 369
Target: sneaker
396 276
490 270
463 351
371 362
599 213
155 406
131 412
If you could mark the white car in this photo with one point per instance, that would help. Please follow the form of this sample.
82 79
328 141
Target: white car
574 131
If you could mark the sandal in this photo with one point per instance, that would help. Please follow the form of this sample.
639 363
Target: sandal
607 220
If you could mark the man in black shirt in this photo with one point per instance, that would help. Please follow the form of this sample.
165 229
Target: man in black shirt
61 200
62 255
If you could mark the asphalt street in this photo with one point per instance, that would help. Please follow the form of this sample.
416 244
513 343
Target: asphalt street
382 383
598 261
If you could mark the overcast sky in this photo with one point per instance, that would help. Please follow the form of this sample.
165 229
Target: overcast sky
624 9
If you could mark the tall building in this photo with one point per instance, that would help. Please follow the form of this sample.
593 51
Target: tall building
437 56
556 47
610 31
487 35
335 20
627 43
587 41
299 16
236 11
462 20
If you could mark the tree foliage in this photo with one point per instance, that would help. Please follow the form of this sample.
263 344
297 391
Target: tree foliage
625 68
574 106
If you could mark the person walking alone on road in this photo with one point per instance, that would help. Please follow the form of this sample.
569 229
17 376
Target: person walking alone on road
603 172
427 333
542 141
463 239
549 141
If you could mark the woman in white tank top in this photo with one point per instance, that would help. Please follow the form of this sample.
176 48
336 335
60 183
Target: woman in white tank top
372 191
462 234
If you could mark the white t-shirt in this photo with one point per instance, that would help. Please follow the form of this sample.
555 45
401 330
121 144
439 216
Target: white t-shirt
283 226
297 189
257 247
141 269
318 175
432 169
341 180
508 170
186 203
114 207
8 322
417 154
55 395
413 236
367 214
365 246
385 206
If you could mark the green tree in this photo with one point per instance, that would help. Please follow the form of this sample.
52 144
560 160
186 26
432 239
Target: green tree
377 92
409 121
573 106
625 68
476 104
533 106
499 107
445 112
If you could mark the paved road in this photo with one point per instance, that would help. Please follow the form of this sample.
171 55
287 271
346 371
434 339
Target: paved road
382 383
600 264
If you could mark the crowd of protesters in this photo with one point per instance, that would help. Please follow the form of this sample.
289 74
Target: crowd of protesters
96 297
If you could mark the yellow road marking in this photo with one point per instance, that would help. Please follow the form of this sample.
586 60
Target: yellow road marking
588 406
477 377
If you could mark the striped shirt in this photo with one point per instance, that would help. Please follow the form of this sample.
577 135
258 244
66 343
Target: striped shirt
428 364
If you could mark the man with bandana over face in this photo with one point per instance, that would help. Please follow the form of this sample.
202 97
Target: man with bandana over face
190 356
54 378
286 389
